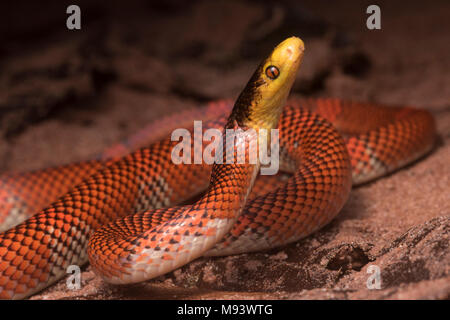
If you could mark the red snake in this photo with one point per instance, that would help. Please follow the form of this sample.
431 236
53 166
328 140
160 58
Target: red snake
131 201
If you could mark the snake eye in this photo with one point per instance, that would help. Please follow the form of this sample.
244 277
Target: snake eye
272 72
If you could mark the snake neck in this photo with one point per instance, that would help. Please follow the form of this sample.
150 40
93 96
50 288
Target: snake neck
257 108
252 109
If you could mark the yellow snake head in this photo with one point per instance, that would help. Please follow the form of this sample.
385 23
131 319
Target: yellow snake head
261 102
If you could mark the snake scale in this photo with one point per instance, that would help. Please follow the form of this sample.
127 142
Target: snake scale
125 214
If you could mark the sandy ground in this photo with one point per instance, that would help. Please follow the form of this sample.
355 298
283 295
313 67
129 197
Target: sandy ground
70 95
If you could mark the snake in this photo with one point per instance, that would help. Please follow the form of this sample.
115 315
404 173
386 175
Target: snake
132 215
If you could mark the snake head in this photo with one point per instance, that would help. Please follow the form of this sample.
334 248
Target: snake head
260 103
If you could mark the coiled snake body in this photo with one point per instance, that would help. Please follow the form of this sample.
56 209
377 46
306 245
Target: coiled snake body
227 219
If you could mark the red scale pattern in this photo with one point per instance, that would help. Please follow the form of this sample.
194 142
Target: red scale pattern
36 252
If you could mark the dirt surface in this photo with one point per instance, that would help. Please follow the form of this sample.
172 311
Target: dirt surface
67 95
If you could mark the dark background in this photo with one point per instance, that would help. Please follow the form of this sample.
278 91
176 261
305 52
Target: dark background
153 57
67 95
